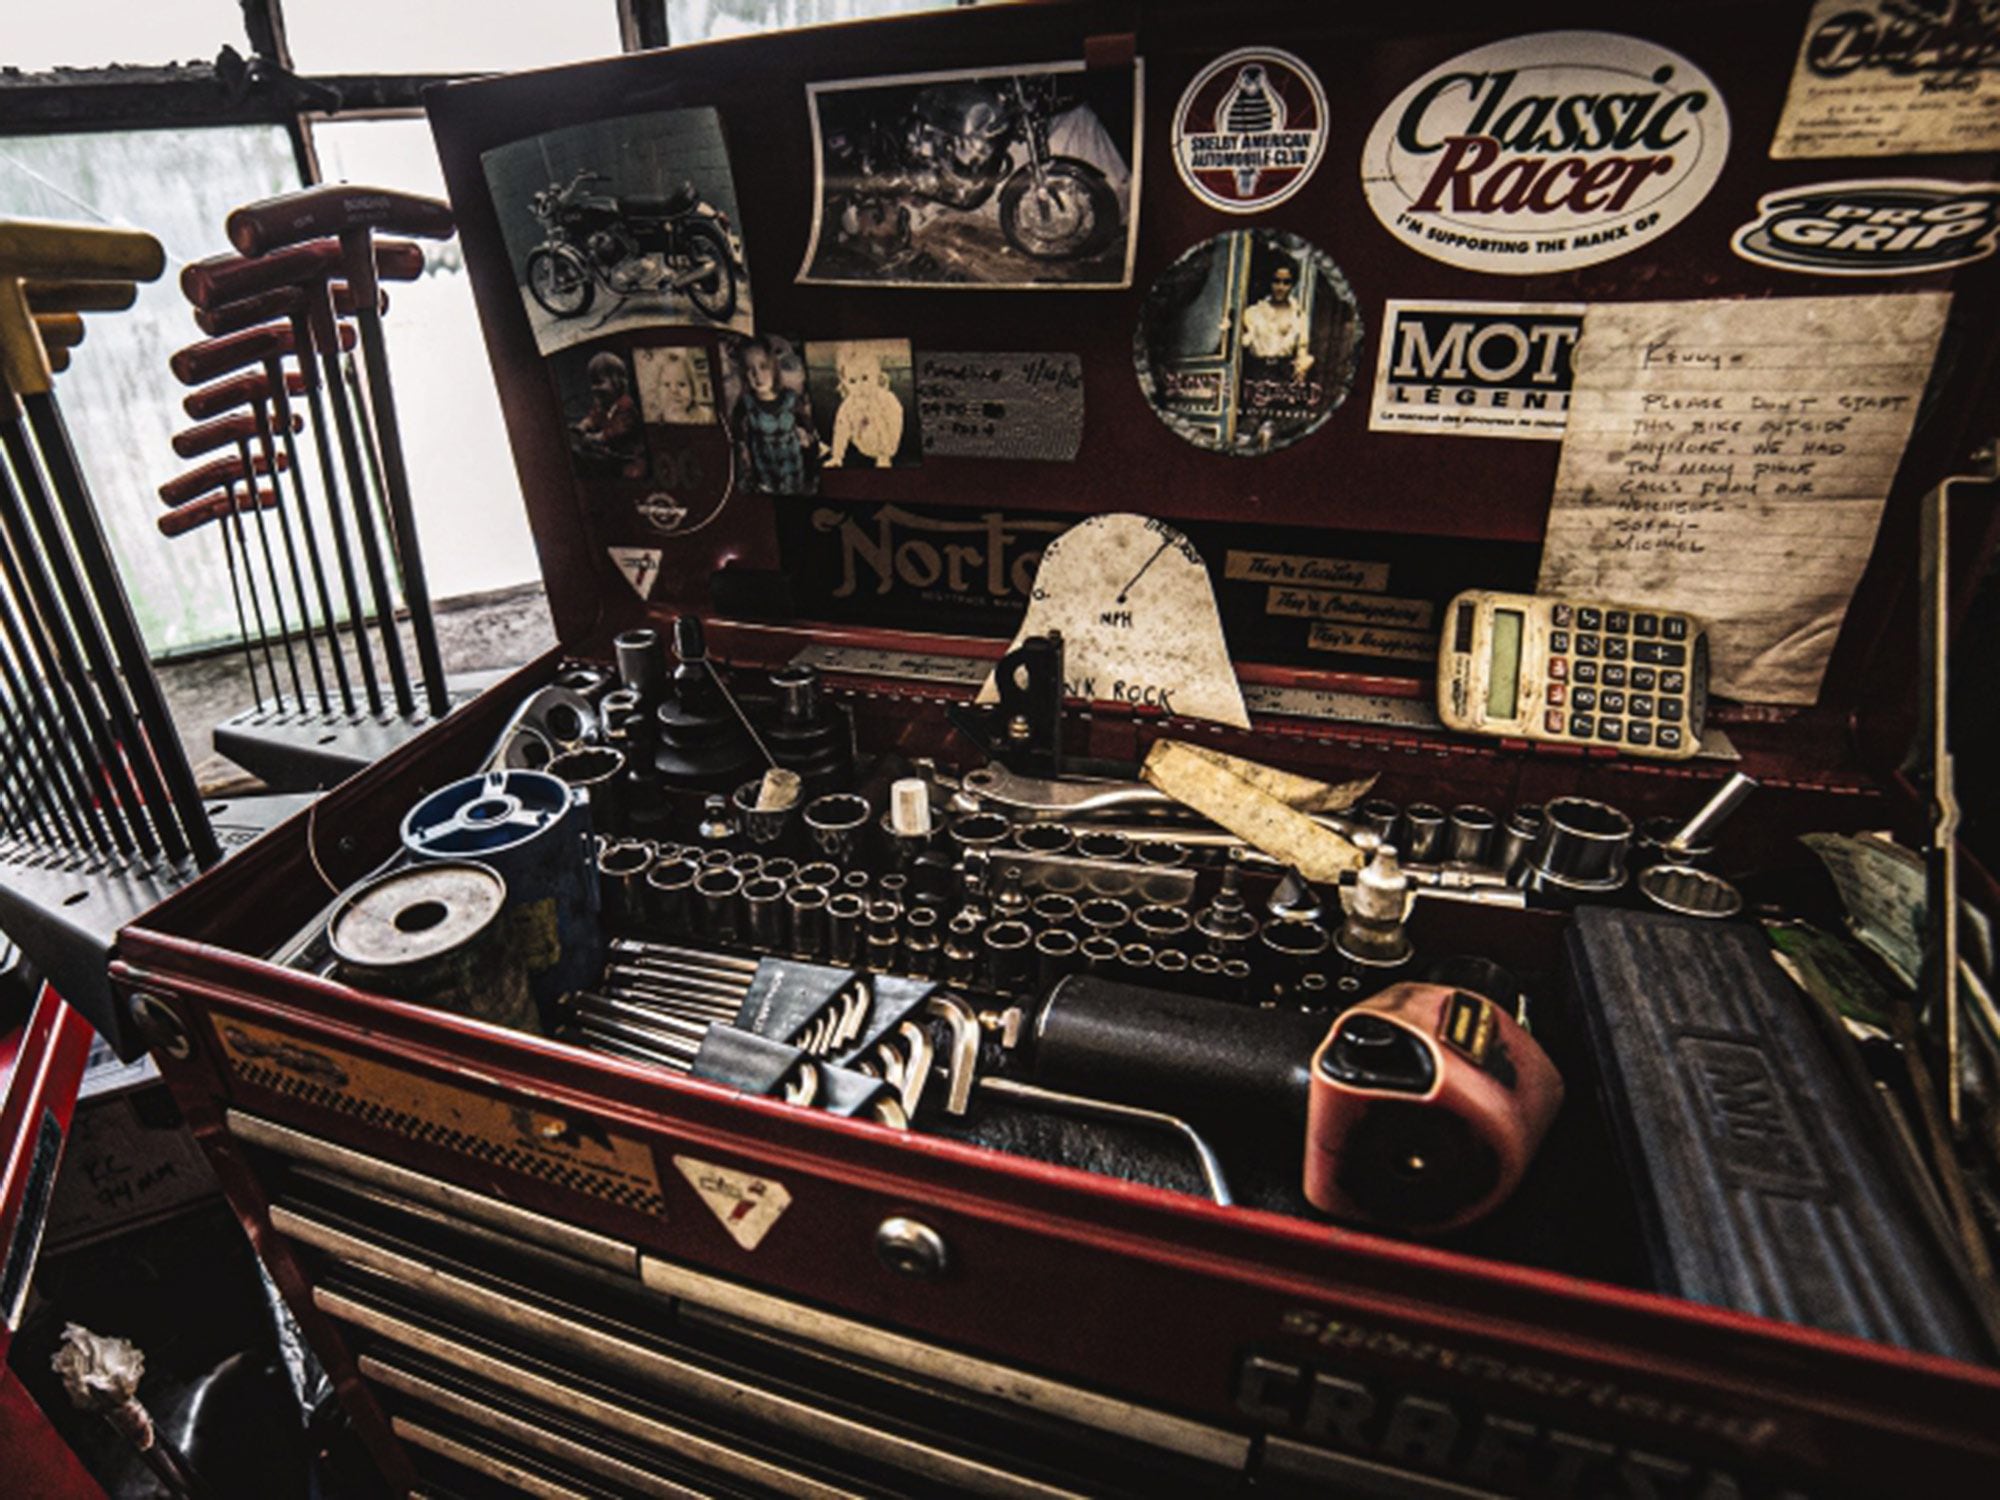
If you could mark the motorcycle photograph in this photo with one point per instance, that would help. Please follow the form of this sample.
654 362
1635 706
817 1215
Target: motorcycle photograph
906 174
630 246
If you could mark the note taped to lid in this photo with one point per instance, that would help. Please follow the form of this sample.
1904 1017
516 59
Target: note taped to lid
1136 609
1731 459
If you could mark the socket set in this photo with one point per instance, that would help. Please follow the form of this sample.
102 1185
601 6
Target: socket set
706 876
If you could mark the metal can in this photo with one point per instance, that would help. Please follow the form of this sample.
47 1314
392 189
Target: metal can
436 934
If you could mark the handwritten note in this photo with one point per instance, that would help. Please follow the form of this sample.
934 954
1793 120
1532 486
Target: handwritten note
1731 459
1001 405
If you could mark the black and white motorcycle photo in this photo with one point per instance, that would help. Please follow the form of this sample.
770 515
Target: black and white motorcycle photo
1020 178
631 246
623 224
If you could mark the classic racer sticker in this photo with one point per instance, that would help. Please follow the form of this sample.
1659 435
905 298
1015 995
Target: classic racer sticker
1250 130
1879 227
1546 152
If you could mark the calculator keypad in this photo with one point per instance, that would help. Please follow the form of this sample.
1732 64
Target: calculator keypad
1589 652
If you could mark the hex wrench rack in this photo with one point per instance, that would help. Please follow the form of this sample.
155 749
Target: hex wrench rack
284 319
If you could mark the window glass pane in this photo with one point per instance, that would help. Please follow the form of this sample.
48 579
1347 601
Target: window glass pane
704 20
120 402
470 519
445 36
93 33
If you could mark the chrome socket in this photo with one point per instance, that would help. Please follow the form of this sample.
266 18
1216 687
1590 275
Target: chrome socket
805 910
835 824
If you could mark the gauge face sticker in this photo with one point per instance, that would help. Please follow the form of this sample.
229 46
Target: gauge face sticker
1247 342
1250 130
1879 227
1546 153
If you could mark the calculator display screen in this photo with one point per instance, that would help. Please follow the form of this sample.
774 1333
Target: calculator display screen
1503 676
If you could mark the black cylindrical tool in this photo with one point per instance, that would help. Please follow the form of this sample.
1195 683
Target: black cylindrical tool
642 664
703 745
1184 1054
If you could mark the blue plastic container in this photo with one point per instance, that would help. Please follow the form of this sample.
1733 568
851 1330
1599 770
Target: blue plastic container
535 831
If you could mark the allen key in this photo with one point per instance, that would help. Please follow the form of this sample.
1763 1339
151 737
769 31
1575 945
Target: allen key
148 756
62 670
212 357
73 776
353 213
244 390
317 338
221 508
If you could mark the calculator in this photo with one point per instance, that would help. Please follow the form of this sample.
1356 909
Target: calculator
1574 672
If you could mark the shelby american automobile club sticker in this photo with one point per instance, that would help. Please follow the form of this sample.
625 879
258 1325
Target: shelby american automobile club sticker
1880 227
1546 152
1250 130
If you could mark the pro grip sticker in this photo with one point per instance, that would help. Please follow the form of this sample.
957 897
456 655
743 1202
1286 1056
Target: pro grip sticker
554 1146
1879 227
1546 152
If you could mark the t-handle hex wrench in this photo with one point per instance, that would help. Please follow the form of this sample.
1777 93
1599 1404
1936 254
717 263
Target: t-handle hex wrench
225 290
227 473
215 403
169 795
268 344
200 512
353 214
279 306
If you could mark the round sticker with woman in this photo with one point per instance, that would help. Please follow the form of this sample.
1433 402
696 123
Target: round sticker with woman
1248 342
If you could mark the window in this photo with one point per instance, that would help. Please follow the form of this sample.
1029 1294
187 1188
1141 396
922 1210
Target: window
121 404
174 154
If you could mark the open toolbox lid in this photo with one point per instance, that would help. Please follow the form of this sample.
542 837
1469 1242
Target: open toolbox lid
1333 553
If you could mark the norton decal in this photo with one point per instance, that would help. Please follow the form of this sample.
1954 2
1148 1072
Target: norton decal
1879 227
1250 130
1546 152
556 1147
743 1203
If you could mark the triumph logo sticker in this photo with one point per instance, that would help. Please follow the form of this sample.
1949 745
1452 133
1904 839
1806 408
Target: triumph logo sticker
1250 130
1882 227
1546 152
743 1203
1481 369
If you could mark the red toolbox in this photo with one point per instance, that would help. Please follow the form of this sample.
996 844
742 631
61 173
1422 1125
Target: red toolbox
1301 284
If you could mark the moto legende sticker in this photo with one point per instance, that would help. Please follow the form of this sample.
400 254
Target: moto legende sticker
1876 227
1250 130
1546 152
1482 369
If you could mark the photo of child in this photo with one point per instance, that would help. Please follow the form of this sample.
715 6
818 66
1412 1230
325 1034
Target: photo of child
609 440
870 388
675 387
770 416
